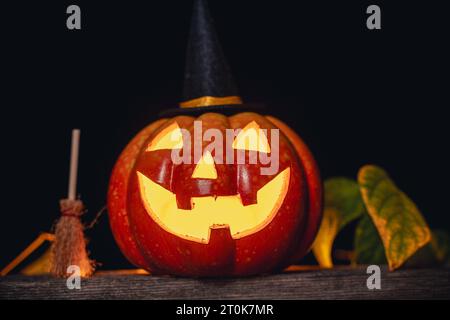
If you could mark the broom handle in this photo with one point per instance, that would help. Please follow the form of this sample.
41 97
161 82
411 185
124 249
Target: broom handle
74 164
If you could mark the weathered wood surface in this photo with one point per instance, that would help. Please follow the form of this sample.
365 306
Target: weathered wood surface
340 283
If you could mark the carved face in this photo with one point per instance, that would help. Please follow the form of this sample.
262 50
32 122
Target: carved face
208 207
217 214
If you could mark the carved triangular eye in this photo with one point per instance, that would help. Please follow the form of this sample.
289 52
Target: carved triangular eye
252 138
169 138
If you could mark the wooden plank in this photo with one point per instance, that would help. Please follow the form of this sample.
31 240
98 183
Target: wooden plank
339 283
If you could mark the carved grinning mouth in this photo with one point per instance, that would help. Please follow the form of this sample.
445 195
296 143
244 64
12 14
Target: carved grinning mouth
211 212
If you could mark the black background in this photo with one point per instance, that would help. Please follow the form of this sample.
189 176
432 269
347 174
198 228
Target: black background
355 96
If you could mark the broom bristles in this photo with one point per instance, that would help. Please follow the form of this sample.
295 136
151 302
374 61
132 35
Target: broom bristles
69 247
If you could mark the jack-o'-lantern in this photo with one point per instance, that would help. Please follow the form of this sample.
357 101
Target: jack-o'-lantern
216 209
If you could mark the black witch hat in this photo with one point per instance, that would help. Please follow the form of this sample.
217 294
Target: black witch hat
208 82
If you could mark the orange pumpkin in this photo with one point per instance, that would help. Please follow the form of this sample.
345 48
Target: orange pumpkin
211 219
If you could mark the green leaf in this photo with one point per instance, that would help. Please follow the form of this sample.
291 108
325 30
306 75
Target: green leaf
343 195
369 247
367 243
440 244
434 253
343 204
399 222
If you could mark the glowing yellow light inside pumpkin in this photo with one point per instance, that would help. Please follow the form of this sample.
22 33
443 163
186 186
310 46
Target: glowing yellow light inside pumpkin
205 168
251 138
169 138
208 212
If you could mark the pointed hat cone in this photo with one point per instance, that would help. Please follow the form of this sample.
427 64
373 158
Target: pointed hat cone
208 80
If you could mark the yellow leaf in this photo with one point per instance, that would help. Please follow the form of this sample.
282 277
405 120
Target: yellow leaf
325 237
399 222
40 266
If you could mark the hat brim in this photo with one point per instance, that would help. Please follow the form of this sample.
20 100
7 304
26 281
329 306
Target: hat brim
227 110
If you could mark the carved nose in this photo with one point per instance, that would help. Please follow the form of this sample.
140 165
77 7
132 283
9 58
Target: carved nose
205 168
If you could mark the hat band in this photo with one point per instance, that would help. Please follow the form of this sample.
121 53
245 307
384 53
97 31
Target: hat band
210 101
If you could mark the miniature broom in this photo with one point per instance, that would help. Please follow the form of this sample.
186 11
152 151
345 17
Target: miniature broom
69 247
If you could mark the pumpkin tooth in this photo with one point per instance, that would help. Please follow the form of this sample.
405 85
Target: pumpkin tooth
248 197
184 201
